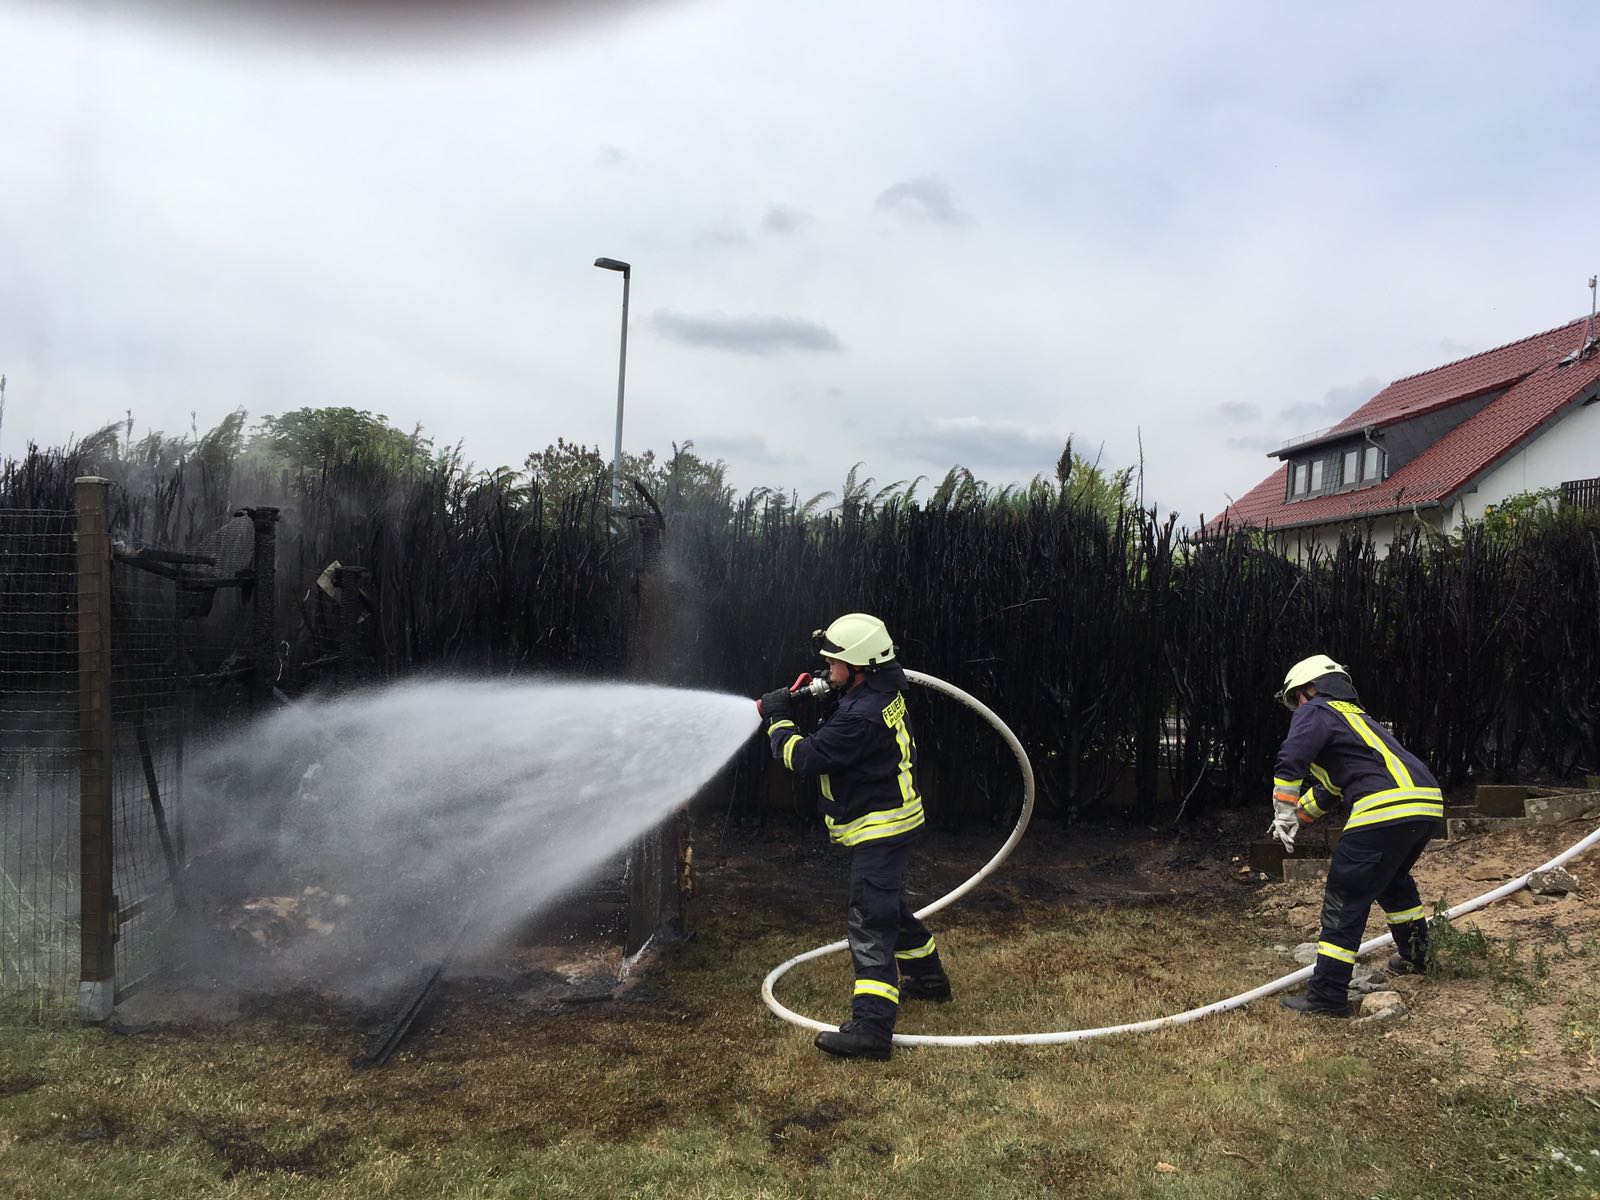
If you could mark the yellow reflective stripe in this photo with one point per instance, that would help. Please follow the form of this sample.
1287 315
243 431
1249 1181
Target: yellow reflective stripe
1407 915
788 750
1358 721
920 952
1288 784
874 832
872 987
827 787
1338 952
1309 803
1397 812
783 724
882 816
1325 781
902 737
1394 795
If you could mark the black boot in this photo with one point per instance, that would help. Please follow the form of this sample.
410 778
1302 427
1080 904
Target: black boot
855 1040
1400 965
925 987
1312 1007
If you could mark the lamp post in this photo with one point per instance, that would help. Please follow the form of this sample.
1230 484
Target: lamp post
612 264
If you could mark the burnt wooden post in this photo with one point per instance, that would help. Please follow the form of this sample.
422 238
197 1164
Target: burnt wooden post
263 631
98 907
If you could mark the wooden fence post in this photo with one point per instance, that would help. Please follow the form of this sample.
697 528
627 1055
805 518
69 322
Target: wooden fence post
98 911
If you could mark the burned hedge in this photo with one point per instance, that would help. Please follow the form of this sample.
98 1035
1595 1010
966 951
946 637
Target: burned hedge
1135 664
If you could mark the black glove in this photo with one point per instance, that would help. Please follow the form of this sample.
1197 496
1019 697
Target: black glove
776 705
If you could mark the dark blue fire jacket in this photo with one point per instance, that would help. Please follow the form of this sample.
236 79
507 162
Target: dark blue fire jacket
866 759
1351 758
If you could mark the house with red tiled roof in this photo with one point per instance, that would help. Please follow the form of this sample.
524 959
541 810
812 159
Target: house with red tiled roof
1441 447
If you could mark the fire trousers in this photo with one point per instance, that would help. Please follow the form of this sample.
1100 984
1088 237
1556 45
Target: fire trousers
1372 863
885 939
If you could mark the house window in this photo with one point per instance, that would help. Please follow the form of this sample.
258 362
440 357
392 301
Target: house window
1372 463
1316 474
1301 472
1352 465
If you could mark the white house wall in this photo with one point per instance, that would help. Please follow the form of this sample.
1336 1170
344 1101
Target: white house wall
1568 450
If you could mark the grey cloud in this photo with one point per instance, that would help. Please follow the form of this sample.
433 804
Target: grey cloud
746 335
924 199
1238 411
722 239
1264 445
1456 349
783 220
1335 405
740 448
609 156
981 445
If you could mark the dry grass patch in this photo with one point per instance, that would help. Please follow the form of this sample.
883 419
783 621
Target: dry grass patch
703 1094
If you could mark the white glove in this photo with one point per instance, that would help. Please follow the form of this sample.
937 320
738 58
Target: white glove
1285 824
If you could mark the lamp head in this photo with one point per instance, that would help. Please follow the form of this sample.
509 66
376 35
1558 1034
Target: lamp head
613 264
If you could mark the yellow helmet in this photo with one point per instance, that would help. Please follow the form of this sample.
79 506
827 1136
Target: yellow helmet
856 638
1307 670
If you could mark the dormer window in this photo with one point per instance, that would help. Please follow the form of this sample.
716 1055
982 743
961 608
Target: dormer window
1335 468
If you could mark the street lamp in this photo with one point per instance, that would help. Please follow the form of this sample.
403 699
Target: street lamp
612 264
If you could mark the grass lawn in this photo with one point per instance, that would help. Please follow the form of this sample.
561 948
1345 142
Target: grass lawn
699 1092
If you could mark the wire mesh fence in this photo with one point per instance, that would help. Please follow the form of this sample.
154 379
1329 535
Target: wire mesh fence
38 761
149 706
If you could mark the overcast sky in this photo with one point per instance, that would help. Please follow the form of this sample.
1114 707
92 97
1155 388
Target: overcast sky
909 234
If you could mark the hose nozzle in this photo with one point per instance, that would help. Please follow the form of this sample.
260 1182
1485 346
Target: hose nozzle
811 685
805 686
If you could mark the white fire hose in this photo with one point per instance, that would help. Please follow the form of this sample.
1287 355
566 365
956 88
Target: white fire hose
1083 1035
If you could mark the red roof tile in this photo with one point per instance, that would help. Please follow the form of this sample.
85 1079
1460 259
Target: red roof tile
1538 388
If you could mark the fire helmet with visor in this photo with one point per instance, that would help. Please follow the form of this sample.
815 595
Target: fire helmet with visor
858 639
1317 669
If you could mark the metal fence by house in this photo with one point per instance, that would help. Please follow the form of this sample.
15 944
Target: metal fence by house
1581 493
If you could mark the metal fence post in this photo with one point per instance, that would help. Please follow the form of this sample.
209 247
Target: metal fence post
263 630
98 919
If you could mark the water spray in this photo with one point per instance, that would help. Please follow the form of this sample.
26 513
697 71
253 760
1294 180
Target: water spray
1083 1035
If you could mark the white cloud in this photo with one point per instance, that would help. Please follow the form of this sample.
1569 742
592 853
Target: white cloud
1184 223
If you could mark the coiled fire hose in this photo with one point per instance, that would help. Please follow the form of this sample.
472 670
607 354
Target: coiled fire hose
1083 1035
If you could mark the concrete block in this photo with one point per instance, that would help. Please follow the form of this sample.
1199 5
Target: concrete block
1469 826
1267 855
1305 870
1502 799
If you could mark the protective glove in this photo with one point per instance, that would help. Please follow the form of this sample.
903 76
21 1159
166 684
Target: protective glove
1285 824
776 705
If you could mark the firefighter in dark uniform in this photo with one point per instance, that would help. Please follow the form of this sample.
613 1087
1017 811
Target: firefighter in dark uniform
1335 753
865 758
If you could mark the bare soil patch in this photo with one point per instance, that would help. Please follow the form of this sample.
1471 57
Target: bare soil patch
1517 1004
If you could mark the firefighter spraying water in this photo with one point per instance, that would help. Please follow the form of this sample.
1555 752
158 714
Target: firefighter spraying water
865 757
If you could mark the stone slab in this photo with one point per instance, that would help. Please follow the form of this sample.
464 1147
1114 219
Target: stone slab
1553 810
